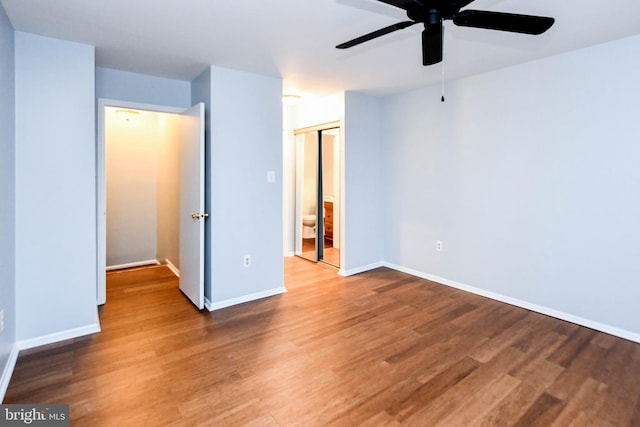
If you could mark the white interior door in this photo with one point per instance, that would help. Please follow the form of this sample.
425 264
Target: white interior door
192 215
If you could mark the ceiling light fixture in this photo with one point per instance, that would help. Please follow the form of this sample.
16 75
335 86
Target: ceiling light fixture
127 115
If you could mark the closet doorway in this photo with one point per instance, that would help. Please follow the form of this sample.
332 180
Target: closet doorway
318 183
150 184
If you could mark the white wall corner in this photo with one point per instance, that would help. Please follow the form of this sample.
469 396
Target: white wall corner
58 336
8 371
172 267
602 327
360 269
211 306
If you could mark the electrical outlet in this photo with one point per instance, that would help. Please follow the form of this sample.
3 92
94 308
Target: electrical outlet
1 320
247 261
439 245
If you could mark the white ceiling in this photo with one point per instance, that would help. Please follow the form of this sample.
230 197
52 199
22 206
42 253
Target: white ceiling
295 39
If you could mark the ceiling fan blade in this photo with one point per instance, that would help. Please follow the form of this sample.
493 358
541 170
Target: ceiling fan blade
526 24
462 3
376 34
432 41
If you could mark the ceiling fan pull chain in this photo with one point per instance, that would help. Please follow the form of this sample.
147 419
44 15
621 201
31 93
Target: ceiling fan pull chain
442 66
442 98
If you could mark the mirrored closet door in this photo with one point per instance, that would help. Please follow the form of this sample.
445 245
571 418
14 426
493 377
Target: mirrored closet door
317 193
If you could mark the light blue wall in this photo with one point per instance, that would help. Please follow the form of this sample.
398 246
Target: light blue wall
364 198
133 87
7 194
55 171
529 175
246 211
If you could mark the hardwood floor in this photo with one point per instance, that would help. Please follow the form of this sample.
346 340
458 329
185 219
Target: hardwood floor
331 254
379 348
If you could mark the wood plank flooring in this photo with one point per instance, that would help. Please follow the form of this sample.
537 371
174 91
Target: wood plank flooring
331 254
379 348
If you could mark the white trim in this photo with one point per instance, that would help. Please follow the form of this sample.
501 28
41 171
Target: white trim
8 371
132 264
211 306
58 336
602 327
289 254
361 269
101 184
172 267
342 197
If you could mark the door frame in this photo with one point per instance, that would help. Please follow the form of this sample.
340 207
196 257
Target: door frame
101 184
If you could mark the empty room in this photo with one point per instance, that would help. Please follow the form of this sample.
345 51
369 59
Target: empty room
342 212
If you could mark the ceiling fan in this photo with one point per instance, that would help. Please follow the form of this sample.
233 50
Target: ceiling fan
432 13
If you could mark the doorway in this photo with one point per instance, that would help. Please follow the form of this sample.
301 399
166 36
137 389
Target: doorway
317 194
142 180
157 212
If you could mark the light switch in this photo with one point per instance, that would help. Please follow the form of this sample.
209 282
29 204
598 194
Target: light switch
271 177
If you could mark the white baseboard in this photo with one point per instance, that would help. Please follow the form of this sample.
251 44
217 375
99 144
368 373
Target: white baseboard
8 371
211 306
133 264
289 254
58 336
36 342
361 269
602 327
172 267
